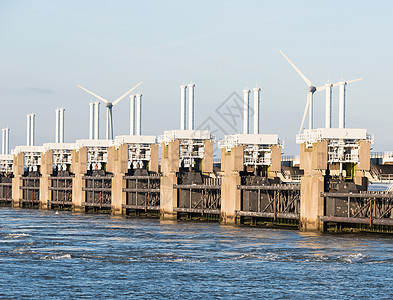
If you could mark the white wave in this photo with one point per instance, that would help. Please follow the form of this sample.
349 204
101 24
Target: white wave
55 257
16 235
352 258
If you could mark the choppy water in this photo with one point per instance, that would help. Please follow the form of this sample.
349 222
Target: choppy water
49 256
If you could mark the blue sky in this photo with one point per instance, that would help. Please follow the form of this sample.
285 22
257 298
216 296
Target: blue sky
47 47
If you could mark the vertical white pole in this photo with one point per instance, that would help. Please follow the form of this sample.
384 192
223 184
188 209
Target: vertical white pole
132 114
257 91
3 141
91 123
341 105
138 113
28 130
32 128
7 141
246 94
108 116
328 106
310 112
191 112
183 115
61 127
57 126
96 120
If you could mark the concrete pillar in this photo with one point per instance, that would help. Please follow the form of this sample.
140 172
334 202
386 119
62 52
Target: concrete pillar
169 168
275 162
18 171
313 161
118 166
231 165
46 171
153 163
207 162
363 166
79 168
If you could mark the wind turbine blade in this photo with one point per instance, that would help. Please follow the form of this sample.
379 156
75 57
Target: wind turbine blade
321 88
354 80
305 112
297 70
91 93
125 94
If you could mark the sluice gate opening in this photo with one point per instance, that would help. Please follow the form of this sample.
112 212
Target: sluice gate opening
60 190
266 202
358 211
142 194
6 175
98 191
30 190
199 196
5 189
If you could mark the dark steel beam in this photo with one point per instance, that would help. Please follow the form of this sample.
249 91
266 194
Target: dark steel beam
268 215
358 195
283 187
196 187
141 190
198 210
142 207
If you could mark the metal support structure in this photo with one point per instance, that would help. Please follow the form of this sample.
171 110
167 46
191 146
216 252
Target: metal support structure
270 201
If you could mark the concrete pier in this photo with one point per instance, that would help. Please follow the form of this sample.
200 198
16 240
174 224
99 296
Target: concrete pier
231 166
169 167
18 170
313 161
45 181
118 166
79 169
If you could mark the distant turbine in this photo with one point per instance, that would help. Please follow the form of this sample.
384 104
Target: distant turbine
311 90
109 105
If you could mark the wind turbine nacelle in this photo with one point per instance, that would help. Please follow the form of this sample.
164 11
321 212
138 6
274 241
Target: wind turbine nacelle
312 89
109 104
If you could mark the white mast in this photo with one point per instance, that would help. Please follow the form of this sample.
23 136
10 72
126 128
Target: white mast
191 112
91 121
183 115
57 111
3 141
32 128
28 129
132 114
61 127
257 91
328 106
246 97
96 120
7 140
138 113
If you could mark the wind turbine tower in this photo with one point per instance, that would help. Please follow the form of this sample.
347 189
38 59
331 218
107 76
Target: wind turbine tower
109 105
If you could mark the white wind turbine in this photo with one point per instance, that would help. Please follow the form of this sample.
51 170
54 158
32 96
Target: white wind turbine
311 90
109 105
